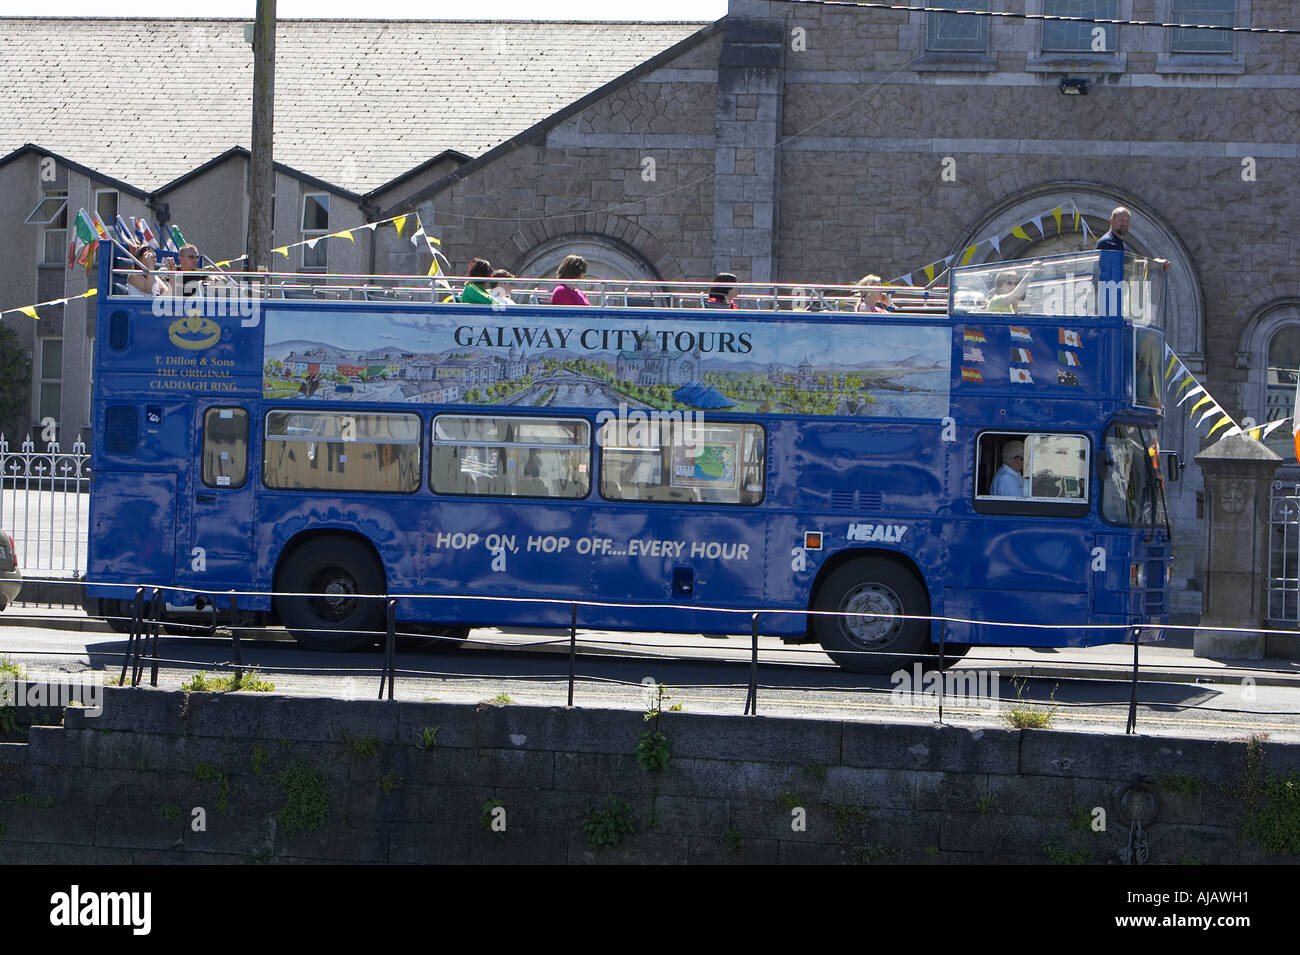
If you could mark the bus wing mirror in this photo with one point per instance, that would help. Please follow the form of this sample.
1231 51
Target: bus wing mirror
1174 466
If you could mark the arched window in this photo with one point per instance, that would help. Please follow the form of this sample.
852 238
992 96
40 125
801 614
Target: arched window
1280 385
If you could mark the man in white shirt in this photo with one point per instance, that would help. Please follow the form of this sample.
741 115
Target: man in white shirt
1009 482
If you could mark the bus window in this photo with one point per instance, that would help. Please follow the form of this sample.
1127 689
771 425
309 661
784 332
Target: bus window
343 451
1131 493
1037 469
683 462
510 457
225 447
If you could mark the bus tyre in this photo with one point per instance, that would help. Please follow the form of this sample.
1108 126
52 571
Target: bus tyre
872 585
117 614
336 570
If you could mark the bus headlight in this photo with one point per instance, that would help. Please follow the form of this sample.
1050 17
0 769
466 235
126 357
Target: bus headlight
1137 575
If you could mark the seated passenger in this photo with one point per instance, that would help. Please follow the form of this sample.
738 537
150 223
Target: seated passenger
573 267
1009 289
723 292
500 293
1009 482
146 284
473 293
872 299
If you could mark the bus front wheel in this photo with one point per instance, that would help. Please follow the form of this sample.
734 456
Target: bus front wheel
329 575
880 643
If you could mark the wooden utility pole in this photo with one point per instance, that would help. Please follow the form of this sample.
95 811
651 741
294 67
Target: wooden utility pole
261 173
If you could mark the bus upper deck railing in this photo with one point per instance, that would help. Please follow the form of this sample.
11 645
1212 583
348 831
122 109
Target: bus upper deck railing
601 293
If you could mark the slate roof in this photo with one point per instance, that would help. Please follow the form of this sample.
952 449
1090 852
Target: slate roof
357 102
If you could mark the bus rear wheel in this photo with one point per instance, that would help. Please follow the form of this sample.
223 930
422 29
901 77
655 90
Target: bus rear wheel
872 644
334 571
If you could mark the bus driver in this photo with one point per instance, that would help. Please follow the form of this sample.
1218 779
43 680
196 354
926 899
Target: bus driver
1009 481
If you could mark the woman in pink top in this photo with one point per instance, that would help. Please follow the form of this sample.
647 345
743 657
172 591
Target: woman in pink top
573 267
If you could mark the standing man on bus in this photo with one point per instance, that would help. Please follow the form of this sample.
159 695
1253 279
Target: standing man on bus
1113 241
1009 481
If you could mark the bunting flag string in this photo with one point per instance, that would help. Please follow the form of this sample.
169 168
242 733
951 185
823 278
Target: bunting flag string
30 310
1185 387
398 222
939 266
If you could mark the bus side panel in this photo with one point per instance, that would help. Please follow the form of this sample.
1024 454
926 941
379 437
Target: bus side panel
1018 607
133 521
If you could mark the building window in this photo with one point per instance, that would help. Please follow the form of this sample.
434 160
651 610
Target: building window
106 204
52 213
315 224
51 396
1075 36
1280 385
957 32
1216 13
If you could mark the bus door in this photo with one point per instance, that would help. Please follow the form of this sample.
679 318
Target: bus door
684 532
1024 556
220 555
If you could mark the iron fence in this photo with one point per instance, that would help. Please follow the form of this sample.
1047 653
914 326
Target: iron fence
1284 554
45 506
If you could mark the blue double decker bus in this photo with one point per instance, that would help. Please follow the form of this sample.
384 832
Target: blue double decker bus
977 465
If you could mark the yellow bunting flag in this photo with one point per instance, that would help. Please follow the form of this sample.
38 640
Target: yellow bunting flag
1020 233
1076 219
88 293
1173 360
345 234
1225 420
929 273
1205 399
969 254
1187 382
283 250
30 311
399 222
1056 214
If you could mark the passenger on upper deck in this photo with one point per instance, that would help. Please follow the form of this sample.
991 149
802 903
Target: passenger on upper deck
1120 219
1009 288
140 283
500 293
723 292
872 300
473 293
573 267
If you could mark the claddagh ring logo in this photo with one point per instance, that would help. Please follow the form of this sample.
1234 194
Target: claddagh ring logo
194 333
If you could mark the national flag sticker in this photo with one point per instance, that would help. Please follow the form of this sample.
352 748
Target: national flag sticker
1064 377
1021 376
971 353
1019 334
1021 356
1068 338
974 336
971 374
1068 358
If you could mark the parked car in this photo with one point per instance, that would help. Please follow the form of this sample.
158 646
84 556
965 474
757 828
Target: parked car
11 581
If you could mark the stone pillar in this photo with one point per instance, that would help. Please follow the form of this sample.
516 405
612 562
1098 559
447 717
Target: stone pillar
747 162
1238 473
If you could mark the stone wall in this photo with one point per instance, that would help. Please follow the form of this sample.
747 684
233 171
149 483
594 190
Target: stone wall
124 787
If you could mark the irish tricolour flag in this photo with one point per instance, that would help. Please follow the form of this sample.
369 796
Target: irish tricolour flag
82 247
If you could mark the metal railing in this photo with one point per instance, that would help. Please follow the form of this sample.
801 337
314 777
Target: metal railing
1284 554
45 507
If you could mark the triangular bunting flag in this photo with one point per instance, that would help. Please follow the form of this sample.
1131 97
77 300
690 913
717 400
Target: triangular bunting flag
400 223
996 242
969 254
1225 420
283 250
1205 399
88 293
1020 233
345 234
1212 410
1271 426
30 311
1056 214
1173 360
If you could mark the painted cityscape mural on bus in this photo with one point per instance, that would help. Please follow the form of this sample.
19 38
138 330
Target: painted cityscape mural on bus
525 360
